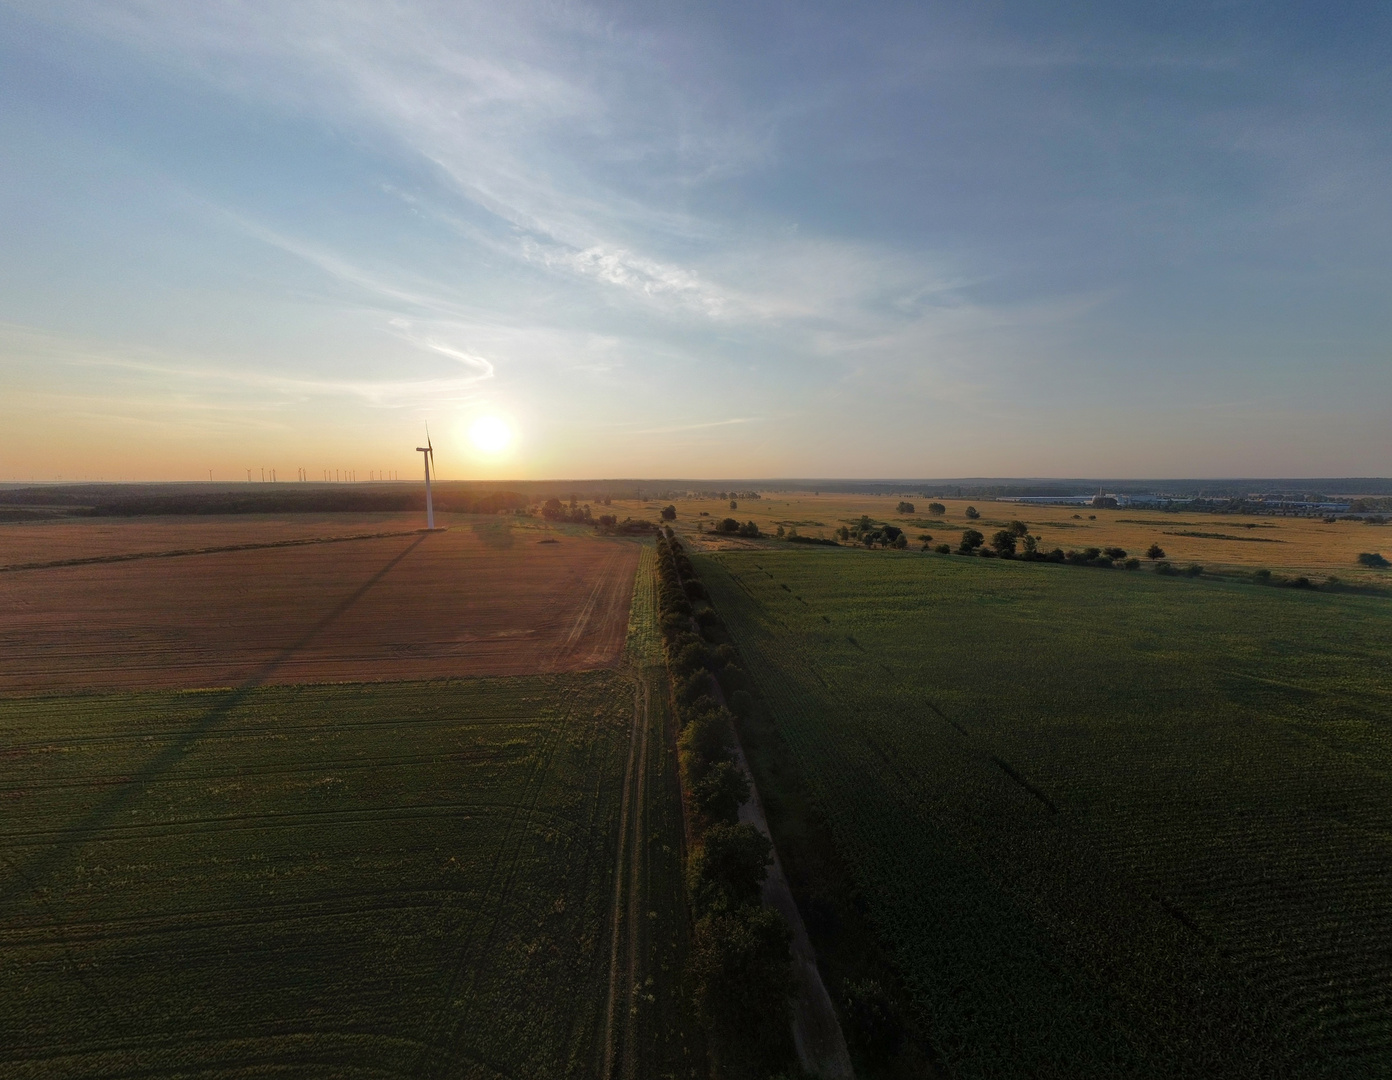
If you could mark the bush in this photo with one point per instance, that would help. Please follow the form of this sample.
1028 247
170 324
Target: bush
874 1028
1019 528
1262 577
904 508
1374 560
943 549
936 509
1132 564
1116 554
971 540
707 737
1163 567
973 513
726 871
721 792
1193 570
669 513
742 704
1056 555
1155 551
691 658
740 973
694 686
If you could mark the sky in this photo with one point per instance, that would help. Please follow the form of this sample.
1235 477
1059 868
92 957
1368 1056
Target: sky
727 240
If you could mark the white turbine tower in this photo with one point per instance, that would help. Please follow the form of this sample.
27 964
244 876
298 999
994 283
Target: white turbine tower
429 459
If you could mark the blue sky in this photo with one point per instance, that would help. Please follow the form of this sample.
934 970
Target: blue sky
724 240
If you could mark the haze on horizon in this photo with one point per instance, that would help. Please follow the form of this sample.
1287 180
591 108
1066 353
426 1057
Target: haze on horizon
701 240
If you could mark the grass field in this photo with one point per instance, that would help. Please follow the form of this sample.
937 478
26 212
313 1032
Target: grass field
1108 824
405 880
1242 542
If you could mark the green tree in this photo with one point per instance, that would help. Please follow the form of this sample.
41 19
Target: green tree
726 871
973 513
669 513
971 540
741 972
1019 528
1373 560
904 508
1155 551
721 792
1004 542
937 509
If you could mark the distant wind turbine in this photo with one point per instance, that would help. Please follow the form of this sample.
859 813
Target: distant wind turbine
429 452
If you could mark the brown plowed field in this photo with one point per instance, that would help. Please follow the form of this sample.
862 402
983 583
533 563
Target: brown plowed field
462 602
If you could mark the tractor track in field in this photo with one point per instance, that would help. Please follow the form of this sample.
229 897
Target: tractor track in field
621 1005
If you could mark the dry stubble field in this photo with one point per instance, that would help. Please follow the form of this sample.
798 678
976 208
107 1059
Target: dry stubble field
1244 542
483 598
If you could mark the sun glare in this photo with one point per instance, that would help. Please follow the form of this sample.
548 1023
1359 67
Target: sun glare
490 435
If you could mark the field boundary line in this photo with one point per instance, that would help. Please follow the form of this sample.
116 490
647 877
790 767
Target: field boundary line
134 556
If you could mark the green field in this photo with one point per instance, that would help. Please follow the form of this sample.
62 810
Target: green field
1107 823
410 879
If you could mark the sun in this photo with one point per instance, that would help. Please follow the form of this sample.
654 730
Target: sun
490 435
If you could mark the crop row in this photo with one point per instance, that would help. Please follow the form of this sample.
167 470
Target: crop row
1212 887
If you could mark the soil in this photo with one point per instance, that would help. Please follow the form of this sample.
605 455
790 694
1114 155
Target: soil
481 600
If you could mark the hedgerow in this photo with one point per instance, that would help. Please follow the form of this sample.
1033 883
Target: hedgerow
740 961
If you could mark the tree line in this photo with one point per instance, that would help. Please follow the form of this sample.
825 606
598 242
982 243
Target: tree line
740 962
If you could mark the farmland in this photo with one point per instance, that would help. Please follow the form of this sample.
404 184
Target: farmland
484 598
1234 541
1107 824
365 880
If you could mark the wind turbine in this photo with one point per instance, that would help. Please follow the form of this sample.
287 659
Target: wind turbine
429 452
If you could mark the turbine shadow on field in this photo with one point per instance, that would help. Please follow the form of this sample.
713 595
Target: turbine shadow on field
30 877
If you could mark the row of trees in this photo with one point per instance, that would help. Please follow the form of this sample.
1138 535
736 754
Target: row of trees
740 959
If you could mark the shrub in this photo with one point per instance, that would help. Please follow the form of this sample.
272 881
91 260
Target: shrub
720 793
937 509
707 737
1193 569
904 508
875 1030
1019 528
1155 551
1132 564
693 687
742 704
1262 577
692 657
740 974
1056 555
943 549
1374 560
1004 542
1302 583
749 528
973 513
726 871
669 513
1163 567
1116 554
